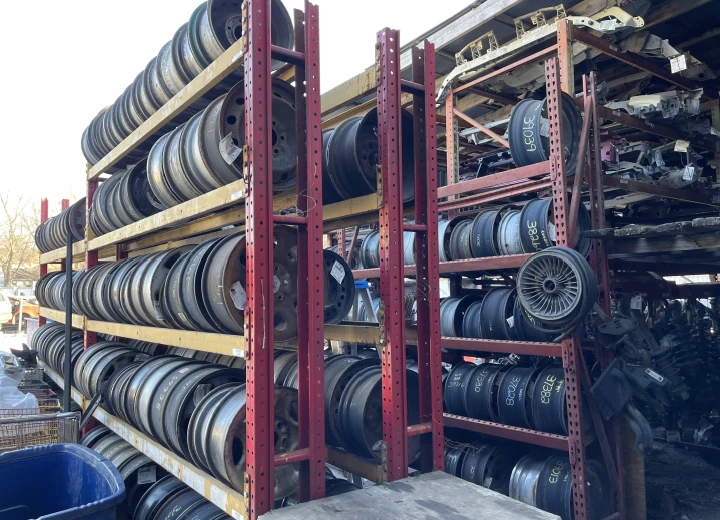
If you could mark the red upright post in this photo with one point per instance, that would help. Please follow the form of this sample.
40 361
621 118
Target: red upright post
571 346
43 267
259 238
427 259
392 293
311 362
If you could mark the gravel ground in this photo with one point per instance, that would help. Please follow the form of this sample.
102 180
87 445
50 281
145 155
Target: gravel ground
681 485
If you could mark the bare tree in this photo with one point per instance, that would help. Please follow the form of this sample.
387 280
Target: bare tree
18 220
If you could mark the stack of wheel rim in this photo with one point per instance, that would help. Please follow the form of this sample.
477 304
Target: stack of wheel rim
170 498
370 249
353 401
350 158
546 482
137 470
529 132
483 463
523 396
203 287
49 343
205 153
213 27
507 230
124 198
496 315
52 234
50 289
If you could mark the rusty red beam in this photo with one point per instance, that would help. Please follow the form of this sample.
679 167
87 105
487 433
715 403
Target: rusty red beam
516 174
287 55
419 429
533 57
459 266
630 58
525 348
292 220
482 128
494 195
411 87
414 227
292 457
513 433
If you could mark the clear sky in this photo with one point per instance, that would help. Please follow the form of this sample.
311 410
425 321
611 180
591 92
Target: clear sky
64 61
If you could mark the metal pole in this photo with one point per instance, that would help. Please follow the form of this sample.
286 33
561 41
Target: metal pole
20 314
68 319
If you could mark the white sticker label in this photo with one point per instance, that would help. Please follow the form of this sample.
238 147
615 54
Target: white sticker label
228 150
551 231
276 284
237 516
146 475
681 145
636 302
544 127
688 173
511 321
678 64
338 272
238 352
235 196
238 296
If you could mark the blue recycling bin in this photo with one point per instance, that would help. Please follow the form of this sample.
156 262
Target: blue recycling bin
58 482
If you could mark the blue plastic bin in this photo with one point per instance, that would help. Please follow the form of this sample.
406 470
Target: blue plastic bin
58 482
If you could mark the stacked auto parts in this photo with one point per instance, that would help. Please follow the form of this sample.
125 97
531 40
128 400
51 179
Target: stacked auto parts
213 27
122 199
516 395
350 158
137 470
50 289
52 234
353 402
202 287
506 230
49 343
539 479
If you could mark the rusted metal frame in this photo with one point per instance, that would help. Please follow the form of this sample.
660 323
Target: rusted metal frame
496 96
341 241
259 329
490 263
631 58
353 241
503 191
412 87
500 193
480 127
452 146
429 353
533 57
416 228
43 267
291 220
311 403
513 433
489 181
576 444
599 264
392 292
287 55
565 35
700 197
524 348
292 457
579 170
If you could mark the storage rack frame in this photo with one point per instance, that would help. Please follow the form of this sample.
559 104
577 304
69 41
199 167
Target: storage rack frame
559 72
204 217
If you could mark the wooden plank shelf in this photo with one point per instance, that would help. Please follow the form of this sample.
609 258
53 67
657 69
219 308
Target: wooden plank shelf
366 468
78 320
59 254
225 344
226 498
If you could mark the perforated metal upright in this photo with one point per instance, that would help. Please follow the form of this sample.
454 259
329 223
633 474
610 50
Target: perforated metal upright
396 432
259 324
